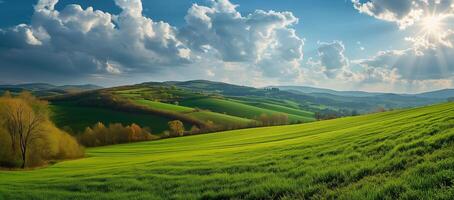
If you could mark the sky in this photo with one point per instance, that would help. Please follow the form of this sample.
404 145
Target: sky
372 45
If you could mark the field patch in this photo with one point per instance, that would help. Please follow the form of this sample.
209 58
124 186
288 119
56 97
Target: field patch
79 117
235 108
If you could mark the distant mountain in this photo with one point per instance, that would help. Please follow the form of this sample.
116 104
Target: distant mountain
308 98
439 94
44 89
311 90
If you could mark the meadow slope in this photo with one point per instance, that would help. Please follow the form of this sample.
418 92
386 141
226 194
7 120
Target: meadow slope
404 154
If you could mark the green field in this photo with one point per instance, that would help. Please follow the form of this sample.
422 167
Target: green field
404 154
292 111
79 117
236 108
163 106
221 119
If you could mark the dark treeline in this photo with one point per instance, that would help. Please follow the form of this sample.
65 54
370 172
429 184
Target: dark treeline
27 137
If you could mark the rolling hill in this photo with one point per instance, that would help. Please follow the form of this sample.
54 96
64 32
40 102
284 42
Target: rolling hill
75 118
320 100
403 154
311 90
44 89
159 103
201 102
439 94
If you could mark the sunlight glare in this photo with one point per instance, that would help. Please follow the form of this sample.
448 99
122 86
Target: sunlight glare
433 24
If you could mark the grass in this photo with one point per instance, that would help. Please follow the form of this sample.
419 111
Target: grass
79 117
308 115
221 119
235 108
404 154
163 106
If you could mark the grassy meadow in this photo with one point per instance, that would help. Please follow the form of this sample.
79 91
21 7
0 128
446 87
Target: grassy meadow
403 154
242 110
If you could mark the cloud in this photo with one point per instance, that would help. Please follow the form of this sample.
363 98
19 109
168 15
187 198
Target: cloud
428 61
85 42
264 39
422 62
404 12
332 59
415 69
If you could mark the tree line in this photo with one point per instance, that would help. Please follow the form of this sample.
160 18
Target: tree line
116 133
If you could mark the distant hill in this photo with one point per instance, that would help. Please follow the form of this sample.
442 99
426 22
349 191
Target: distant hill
439 94
310 90
44 89
310 98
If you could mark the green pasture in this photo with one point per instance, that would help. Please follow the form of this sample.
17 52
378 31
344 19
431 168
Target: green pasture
403 154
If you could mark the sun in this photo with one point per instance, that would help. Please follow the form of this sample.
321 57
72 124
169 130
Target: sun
433 24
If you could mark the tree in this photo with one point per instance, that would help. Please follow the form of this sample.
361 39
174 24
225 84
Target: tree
24 123
176 128
27 137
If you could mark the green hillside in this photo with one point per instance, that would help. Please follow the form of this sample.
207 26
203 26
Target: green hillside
77 117
404 154
221 111
164 106
238 109
221 119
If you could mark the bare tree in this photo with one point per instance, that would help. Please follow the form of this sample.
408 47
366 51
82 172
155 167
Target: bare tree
24 125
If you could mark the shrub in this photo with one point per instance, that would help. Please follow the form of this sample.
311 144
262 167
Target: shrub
176 128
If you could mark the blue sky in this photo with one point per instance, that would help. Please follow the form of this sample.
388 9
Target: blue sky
347 45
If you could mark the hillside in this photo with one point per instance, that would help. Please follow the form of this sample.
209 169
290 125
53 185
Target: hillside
403 154
439 94
317 100
226 106
154 104
44 89
310 90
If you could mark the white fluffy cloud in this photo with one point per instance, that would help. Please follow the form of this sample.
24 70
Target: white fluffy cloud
84 42
264 39
435 61
429 60
332 58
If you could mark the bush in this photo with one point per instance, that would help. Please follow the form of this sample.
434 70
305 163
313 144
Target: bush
176 128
